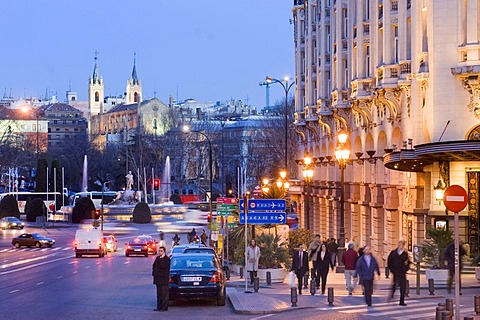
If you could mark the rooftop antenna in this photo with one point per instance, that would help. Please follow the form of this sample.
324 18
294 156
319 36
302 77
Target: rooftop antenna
10 93
69 85
5 93
177 93
154 91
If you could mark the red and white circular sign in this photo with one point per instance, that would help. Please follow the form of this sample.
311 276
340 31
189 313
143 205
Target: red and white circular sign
455 198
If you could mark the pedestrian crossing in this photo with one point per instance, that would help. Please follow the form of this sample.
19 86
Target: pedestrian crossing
415 309
25 249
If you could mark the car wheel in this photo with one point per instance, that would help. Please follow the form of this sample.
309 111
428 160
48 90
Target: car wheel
21 228
77 255
50 245
37 244
17 244
221 301
146 255
127 255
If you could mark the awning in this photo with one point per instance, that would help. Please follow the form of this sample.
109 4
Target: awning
422 155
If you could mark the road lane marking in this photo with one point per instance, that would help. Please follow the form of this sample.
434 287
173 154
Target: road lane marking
13 291
55 249
67 248
87 267
261 317
22 261
59 277
40 283
34 265
75 271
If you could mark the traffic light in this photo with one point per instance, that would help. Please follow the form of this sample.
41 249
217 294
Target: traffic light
209 217
156 184
97 214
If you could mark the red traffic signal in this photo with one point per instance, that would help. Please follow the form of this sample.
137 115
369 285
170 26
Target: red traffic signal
209 217
156 184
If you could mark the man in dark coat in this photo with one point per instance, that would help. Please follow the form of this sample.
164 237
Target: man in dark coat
450 258
300 265
398 263
161 275
333 249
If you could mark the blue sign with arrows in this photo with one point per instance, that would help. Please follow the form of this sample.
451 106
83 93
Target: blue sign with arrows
264 205
264 211
264 218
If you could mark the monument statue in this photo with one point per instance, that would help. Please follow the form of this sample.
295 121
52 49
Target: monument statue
129 177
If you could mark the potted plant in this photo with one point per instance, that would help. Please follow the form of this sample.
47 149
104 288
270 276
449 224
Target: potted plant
433 254
274 256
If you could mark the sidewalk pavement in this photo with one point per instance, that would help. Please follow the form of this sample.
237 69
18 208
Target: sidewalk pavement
276 297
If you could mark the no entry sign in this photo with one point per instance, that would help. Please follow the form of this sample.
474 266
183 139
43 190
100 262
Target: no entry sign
455 198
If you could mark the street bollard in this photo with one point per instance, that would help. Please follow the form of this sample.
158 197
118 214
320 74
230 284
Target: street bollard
449 306
293 296
407 289
305 281
387 272
269 278
241 273
256 284
228 273
431 286
330 297
446 315
312 287
477 305
312 273
468 318
438 314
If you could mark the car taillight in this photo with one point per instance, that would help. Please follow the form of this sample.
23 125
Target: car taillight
100 244
128 246
75 244
170 280
215 277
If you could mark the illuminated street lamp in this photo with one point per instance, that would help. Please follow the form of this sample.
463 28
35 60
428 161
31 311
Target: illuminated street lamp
265 187
307 176
439 191
286 87
342 153
186 129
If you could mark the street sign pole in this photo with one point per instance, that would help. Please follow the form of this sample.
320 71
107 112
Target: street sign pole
455 199
245 211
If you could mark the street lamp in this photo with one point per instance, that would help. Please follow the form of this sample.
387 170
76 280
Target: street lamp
307 175
286 87
439 191
101 205
186 129
265 187
342 153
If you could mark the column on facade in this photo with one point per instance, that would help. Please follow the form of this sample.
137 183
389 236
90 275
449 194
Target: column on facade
323 215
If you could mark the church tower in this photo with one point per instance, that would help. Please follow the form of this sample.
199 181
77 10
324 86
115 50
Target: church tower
134 86
95 92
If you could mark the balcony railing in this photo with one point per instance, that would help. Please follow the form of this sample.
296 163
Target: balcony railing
366 29
405 68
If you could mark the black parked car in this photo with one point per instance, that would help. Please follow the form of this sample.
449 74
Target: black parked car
197 276
32 239
11 223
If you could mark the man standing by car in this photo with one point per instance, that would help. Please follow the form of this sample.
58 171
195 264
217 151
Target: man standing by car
161 275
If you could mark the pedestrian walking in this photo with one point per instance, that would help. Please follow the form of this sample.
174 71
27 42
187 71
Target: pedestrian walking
313 249
398 263
191 235
300 265
162 239
366 268
450 258
324 264
333 249
161 276
348 259
356 276
253 256
175 240
203 237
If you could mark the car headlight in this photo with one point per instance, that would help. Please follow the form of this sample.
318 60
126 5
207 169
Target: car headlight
14 223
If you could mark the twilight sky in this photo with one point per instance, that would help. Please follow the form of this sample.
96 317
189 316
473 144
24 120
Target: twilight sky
204 49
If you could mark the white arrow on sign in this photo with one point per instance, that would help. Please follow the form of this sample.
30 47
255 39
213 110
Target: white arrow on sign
282 218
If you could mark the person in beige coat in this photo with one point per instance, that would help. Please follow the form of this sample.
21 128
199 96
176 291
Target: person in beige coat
253 256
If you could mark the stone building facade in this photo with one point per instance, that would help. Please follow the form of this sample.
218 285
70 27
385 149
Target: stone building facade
401 78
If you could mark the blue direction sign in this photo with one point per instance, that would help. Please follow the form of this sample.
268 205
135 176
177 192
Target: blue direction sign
264 218
265 205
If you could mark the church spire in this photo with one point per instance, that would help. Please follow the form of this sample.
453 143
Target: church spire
95 78
134 71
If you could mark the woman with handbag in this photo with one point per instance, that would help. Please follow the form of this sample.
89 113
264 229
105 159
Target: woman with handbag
253 256
324 262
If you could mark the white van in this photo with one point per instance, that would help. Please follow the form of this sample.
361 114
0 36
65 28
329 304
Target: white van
96 197
89 242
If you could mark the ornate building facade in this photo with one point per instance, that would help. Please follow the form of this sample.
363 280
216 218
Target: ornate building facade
401 78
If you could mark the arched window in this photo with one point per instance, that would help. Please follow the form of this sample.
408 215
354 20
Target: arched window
97 96
135 97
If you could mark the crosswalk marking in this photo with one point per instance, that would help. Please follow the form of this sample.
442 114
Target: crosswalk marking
356 306
402 310
376 308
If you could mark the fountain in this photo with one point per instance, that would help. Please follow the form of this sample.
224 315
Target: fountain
165 186
85 174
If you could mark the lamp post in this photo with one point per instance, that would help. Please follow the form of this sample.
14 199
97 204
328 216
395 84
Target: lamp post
186 129
342 153
101 204
286 87
307 175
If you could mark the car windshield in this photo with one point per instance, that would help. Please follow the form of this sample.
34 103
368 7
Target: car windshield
137 241
12 219
192 262
178 249
199 250
37 236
